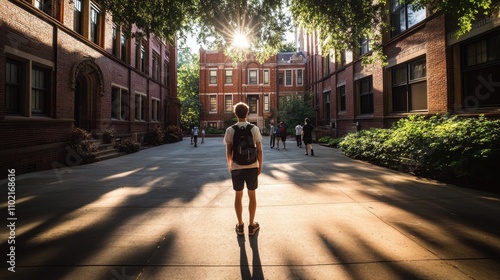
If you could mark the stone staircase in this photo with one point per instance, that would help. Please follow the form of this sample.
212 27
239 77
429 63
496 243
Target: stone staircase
106 151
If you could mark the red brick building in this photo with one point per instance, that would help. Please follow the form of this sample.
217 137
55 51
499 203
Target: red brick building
429 71
66 64
260 85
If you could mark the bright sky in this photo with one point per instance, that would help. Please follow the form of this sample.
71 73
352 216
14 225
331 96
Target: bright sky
191 42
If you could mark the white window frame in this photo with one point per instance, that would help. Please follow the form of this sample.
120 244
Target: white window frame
120 106
301 76
266 76
155 109
251 70
291 78
214 111
140 115
210 76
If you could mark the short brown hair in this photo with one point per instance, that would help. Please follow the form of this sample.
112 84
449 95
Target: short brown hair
241 110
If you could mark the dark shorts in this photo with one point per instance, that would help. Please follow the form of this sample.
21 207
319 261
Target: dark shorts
240 176
308 141
283 138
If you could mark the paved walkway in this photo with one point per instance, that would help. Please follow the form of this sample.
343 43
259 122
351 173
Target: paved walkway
167 213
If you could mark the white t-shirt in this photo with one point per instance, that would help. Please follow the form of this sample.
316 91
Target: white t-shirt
298 130
257 139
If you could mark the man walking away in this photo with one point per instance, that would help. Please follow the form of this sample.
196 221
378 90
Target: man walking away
307 136
298 135
244 159
195 136
272 135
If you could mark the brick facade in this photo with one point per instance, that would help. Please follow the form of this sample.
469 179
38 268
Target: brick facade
81 78
426 47
261 92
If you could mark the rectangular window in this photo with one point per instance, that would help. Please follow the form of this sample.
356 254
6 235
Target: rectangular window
481 72
299 77
326 65
365 91
50 7
39 90
266 102
140 62
213 104
213 77
116 43
228 103
280 78
78 16
13 87
119 103
252 104
326 106
288 77
167 73
252 77
266 77
155 110
123 46
229 77
95 15
115 103
140 107
409 87
364 46
156 66
403 16
341 98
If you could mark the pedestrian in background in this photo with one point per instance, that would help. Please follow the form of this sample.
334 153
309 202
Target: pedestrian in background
195 136
202 135
272 135
281 134
298 135
192 129
307 136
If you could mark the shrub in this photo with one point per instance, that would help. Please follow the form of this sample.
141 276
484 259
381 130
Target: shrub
450 148
334 142
129 145
81 143
155 137
324 139
213 130
173 134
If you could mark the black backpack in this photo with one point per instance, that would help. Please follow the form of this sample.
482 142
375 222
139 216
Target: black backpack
244 151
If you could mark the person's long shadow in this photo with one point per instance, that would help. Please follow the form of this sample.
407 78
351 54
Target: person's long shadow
256 264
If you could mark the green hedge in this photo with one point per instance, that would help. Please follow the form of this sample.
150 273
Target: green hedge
450 148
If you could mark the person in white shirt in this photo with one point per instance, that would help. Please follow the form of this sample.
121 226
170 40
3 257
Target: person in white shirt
298 135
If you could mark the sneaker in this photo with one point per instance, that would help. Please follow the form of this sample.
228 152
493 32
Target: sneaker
306 154
312 152
252 229
240 229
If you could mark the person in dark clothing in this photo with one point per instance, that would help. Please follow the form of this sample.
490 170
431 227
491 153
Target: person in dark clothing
307 136
272 135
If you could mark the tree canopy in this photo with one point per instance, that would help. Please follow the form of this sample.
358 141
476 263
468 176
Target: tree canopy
188 87
340 24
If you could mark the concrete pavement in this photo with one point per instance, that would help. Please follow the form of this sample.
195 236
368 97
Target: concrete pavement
167 213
